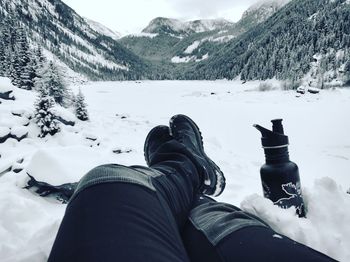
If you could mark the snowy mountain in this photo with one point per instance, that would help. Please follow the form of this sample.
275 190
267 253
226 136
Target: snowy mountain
103 30
306 41
263 9
82 45
177 45
164 39
174 27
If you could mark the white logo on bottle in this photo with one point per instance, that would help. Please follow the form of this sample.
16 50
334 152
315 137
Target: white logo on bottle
294 193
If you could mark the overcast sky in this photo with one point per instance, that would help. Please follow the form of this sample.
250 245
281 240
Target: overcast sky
131 16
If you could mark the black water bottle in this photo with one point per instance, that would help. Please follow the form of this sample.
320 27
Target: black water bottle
280 176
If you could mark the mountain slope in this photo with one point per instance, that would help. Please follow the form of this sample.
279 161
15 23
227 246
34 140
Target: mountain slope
178 45
256 14
165 38
302 35
69 37
103 30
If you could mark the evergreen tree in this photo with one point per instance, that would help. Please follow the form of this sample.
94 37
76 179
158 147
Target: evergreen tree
80 107
40 60
14 70
44 116
26 70
7 33
347 73
3 49
52 80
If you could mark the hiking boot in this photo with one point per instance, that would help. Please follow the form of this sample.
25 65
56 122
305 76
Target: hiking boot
155 138
185 131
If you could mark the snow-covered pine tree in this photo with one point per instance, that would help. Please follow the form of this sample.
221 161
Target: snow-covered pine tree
14 70
51 79
3 58
26 66
5 48
44 116
347 72
40 60
80 107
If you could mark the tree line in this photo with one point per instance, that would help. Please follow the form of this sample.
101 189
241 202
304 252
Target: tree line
286 45
28 69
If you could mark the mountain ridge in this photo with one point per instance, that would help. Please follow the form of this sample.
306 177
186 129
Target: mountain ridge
174 45
177 27
304 35
59 29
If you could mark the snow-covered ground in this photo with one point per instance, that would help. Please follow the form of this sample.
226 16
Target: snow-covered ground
121 115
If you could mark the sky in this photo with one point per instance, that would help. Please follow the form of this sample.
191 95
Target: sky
131 16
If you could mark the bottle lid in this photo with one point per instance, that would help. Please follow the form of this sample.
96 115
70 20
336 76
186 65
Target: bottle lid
275 138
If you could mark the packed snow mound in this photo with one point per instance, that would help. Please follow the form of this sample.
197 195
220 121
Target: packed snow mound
5 85
4 131
19 131
65 116
326 227
58 165
26 224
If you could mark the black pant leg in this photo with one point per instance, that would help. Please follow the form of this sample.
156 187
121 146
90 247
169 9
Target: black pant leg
218 232
264 244
118 222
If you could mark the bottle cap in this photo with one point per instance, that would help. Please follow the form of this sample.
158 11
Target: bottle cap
275 138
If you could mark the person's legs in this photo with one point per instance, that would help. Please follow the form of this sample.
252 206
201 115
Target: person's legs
127 214
135 213
118 222
224 233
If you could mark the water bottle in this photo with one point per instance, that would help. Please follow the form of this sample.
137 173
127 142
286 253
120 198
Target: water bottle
280 176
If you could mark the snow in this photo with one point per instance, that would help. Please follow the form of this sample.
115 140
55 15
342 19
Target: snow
70 75
207 24
196 26
149 35
223 39
5 85
192 47
4 131
82 49
325 200
98 27
64 114
59 165
19 131
203 58
5 164
187 59
317 124
263 9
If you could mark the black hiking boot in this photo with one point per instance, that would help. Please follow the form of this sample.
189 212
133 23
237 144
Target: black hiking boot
185 131
155 138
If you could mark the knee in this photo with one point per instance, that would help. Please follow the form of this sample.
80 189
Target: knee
113 173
